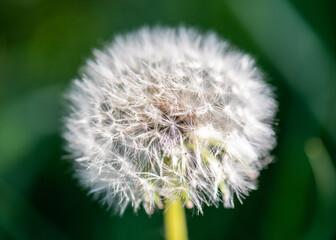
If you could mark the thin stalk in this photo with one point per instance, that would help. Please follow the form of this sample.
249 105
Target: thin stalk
175 221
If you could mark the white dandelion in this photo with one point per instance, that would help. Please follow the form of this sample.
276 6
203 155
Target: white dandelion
163 113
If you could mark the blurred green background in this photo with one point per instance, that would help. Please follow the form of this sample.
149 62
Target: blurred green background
42 45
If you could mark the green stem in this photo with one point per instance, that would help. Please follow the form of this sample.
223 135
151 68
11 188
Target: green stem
175 221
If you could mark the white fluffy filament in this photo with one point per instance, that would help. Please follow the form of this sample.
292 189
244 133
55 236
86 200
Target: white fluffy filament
162 113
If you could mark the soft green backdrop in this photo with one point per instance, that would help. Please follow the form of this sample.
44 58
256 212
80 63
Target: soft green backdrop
43 44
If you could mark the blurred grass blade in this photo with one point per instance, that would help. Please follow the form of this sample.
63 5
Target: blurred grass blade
295 50
25 120
325 178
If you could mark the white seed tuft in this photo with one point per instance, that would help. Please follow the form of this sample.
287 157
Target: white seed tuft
163 113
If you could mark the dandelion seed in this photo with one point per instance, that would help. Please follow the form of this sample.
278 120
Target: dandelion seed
163 113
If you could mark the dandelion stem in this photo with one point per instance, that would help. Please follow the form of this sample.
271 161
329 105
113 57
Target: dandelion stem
175 221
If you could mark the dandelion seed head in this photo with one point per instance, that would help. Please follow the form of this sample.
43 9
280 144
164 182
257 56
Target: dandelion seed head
163 113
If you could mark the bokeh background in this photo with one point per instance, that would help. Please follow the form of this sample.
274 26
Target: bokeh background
42 45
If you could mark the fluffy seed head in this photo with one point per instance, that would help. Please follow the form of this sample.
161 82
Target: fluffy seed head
163 113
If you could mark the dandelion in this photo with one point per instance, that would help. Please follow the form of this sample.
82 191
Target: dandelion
163 114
